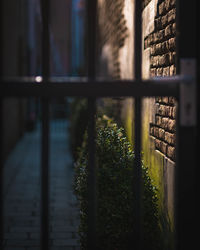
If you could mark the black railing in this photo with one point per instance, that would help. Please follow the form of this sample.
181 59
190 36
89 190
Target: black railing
92 88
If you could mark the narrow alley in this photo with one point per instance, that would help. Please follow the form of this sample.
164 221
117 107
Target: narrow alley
22 193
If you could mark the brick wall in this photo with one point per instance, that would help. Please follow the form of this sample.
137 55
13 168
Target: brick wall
162 44
113 32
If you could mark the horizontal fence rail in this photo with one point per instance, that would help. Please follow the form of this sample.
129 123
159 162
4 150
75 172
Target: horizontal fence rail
83 88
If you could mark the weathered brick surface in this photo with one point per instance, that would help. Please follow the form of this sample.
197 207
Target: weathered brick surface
113 30
162 44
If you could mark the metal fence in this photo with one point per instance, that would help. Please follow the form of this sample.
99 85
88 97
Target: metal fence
182 86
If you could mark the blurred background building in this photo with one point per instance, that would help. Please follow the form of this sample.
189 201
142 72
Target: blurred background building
22 53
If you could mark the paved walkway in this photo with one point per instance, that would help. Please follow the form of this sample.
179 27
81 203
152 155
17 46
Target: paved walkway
22 193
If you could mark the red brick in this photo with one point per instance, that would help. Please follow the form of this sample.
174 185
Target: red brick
166 71
168 30
158 48
161 133
171 152
151 129
174 28
165 47
158 120
172 3
174 112
164 20
171 125
161 8
167 5
163 60
157 144
158 23
153 72
172 44
165 121
163 147
159 71
156 131
172 70
171 15
170 138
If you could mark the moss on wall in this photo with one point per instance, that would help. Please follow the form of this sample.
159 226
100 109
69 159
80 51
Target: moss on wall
152 159
127 116
161 174
159 170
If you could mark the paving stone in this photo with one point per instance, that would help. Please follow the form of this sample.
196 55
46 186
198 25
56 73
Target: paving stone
62 248
22 195
16 235
63 229
32 248
22 242
77 248
15 248
61 235
21 229
65 242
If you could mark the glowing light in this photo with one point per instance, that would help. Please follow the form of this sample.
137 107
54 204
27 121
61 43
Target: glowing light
38 79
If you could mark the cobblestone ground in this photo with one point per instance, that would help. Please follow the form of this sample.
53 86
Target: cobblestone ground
22 194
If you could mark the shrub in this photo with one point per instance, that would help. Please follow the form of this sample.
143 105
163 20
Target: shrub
79 118
110 107
115 217
78 123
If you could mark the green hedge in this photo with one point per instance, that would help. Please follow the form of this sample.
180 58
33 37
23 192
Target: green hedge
115 216
78 123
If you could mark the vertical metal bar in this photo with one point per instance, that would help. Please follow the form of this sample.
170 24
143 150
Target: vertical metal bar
1 177
45 175
137 133
92 201
1 132
186 214
91 37
45 4
138 40
198 112
45 10
198 94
